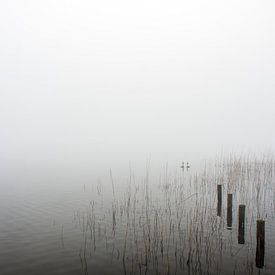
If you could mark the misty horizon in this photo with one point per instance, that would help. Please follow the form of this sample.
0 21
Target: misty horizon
108 79
101 103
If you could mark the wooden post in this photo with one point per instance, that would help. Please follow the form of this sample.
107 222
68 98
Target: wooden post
241 224
229 211
219 207
260 243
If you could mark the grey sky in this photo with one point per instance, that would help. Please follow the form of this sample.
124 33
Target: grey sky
133 78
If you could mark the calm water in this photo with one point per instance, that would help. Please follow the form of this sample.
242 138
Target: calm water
161 221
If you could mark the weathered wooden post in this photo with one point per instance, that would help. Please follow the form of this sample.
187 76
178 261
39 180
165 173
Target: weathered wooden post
260 243
219 207
229 211
241 224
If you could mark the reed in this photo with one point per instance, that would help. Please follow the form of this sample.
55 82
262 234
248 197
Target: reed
171 227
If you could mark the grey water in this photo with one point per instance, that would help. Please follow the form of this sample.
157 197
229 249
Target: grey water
151 220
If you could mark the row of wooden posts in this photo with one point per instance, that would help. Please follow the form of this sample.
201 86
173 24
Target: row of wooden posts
260 249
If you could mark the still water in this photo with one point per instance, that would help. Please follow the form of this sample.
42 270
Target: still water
164 220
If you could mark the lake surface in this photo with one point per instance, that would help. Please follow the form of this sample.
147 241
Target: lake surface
162 220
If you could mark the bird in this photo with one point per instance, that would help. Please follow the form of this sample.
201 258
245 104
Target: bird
182 166
187 165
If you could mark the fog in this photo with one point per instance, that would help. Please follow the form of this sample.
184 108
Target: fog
87 83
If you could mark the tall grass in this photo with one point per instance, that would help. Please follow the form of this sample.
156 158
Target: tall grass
172 227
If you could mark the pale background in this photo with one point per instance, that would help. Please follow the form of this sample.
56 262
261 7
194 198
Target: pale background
87 83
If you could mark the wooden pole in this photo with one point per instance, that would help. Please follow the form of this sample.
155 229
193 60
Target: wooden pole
219 207
229 211
260 243
241 224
